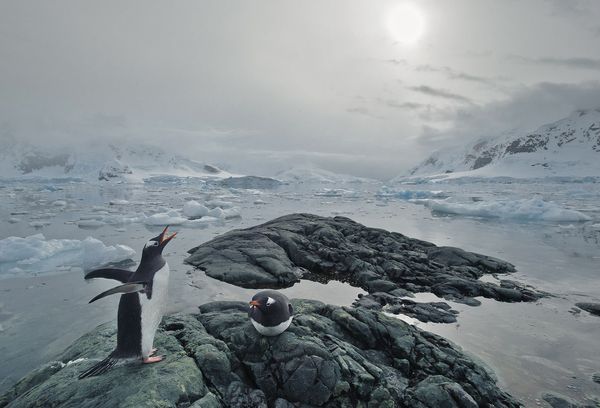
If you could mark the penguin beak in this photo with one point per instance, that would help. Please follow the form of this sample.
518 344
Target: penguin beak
164 238
253 303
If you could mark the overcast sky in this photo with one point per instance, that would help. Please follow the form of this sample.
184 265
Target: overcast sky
361 87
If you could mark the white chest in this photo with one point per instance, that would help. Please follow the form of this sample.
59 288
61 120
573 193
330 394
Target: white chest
154 308
271 330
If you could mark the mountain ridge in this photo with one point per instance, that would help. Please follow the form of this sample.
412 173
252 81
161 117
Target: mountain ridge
567 147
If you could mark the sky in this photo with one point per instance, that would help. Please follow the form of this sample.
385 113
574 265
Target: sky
358 87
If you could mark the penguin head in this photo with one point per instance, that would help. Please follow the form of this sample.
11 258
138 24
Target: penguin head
270 302
262 302
157 244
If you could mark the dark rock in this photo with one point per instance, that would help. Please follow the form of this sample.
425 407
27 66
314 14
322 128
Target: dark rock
593 308
437 312
329 357
596 378
278 253
176 380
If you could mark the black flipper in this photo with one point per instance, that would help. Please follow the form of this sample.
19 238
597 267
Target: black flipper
129 287
291 309
100 368
121 275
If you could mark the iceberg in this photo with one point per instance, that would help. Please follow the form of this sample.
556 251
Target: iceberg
534 209
37 255
387 192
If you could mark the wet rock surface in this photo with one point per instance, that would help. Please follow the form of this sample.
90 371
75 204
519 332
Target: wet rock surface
329 357
436 312
280 252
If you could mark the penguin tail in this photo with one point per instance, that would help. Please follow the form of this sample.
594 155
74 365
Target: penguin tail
100 368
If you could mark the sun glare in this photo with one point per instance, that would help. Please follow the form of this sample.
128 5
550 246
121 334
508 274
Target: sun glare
406 23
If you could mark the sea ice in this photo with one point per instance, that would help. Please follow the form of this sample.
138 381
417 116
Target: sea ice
90 224
534 209
36 254
167 218
386 192
118 202
193 209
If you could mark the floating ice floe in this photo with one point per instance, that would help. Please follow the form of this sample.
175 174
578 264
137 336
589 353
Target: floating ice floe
118 202
219 203
167 218
90 224
534 209
409 194
193 209
192 215
335 192
37 255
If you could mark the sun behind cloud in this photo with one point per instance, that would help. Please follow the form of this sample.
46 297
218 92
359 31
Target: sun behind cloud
405 23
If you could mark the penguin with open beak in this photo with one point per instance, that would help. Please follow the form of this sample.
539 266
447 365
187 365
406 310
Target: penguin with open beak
142 305
270 312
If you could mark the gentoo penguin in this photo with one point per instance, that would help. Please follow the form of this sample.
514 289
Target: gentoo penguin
142 304
270 312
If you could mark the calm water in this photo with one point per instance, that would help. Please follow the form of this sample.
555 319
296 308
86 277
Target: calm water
531 347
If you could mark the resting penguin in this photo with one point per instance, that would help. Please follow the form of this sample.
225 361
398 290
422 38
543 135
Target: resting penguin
143 299
270 312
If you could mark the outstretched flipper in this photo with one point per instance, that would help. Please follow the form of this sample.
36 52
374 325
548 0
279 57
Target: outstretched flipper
121 275
129 287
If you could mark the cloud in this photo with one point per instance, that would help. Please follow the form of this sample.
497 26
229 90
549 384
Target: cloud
526 109
569 8
390 103
454 74
439 93
574 62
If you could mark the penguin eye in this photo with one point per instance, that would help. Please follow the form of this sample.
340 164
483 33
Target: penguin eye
151 243
270 301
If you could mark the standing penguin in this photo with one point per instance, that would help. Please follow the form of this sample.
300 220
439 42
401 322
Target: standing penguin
142 304
270 312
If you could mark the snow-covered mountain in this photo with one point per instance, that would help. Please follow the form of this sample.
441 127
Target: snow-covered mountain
569 147
99 162
312 174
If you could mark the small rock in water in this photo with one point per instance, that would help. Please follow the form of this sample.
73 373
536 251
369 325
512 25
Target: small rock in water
593 308
596 378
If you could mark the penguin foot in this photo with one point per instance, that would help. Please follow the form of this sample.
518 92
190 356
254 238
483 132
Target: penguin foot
155 359
152 352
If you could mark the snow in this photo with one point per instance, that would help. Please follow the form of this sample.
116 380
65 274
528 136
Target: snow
311 174
99 162
37 255
533 209
569 147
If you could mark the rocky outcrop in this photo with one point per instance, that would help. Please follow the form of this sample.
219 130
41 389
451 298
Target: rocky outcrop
280 252
329 357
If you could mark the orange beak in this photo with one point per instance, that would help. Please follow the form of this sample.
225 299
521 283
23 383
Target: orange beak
164 238
253 303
